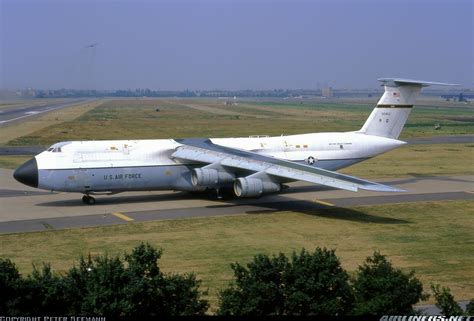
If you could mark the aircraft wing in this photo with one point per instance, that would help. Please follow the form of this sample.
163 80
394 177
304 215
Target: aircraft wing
204 151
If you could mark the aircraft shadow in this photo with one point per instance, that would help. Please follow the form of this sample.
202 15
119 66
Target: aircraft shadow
331 212
419 177
308 188
275 204
114 200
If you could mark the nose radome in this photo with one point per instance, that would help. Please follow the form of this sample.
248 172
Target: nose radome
27 173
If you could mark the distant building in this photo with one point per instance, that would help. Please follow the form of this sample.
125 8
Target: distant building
327 92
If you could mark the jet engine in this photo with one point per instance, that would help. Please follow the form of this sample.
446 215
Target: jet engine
254 187
210 177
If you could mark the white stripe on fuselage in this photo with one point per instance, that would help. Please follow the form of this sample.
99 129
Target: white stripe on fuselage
155 152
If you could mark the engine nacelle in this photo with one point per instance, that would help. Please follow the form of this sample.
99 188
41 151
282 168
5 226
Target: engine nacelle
254 187
210 177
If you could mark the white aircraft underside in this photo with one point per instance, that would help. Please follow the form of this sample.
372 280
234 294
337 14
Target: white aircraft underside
253 166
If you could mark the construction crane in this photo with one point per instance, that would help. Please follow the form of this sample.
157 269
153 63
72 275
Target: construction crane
92 45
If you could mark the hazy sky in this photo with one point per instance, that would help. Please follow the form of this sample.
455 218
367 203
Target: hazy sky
233 44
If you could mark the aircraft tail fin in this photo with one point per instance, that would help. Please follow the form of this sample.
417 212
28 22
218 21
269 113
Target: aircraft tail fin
392 110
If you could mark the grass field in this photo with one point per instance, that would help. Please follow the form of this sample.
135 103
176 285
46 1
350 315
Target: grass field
455 118
418 160
12 161
137 119
434 238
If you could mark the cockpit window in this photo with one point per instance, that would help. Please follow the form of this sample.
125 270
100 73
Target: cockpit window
57 148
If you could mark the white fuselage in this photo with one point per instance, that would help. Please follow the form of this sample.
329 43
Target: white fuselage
323 147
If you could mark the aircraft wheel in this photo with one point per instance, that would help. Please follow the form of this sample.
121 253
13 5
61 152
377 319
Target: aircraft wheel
227 192
213 194
86 199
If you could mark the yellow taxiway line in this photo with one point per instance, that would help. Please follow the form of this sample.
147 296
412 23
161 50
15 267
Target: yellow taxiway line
123 217
324 203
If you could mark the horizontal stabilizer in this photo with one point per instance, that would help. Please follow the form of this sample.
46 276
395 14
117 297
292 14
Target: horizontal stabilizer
395 82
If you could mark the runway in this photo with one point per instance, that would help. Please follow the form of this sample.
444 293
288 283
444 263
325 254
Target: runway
19 113
26 209
454 139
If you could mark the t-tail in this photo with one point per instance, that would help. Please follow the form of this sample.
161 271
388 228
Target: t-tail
392 111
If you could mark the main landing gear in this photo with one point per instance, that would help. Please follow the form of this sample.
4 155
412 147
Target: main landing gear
220 193
87 199
213 194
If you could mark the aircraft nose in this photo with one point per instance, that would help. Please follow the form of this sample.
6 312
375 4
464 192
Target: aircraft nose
27 173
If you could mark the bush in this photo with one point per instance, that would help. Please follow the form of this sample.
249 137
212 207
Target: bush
10 280
309 284
152 293
447 304
107 286
97 287
380 289
43 292
470 308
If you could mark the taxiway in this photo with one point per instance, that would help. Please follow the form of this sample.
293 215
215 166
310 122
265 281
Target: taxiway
25 209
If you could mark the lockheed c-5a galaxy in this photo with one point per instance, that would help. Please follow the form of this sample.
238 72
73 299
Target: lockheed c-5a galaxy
250 166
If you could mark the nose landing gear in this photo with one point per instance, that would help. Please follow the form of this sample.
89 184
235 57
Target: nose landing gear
87 199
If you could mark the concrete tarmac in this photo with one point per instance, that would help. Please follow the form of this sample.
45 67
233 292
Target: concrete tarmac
24 209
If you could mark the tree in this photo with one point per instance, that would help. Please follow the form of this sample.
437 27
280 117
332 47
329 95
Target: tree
133 287
447 304
104 285
43 292
309 284
181 295
381 289
97 286
152 293
470 308
10 282
257 289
